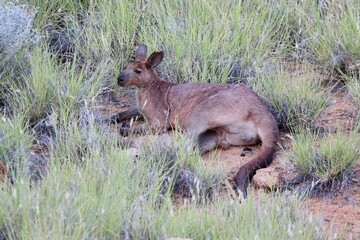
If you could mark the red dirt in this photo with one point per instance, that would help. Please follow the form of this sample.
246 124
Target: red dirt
340 114
341 214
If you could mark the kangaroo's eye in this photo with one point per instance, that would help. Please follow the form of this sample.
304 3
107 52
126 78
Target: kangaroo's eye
138 71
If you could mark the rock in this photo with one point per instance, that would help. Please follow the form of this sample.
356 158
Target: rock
267 178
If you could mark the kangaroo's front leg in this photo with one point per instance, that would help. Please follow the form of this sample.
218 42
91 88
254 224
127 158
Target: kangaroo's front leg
153 127
122 116
141 129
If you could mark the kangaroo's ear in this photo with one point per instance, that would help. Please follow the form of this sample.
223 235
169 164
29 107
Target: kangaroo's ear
155 59
141 53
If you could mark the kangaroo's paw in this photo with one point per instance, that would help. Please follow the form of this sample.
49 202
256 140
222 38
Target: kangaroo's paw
241 195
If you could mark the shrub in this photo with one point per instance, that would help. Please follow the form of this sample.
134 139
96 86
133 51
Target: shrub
16 34
16 29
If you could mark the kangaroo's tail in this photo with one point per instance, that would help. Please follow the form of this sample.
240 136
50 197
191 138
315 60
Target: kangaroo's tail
269 136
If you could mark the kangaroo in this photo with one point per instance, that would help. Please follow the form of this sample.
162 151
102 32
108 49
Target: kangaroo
212 115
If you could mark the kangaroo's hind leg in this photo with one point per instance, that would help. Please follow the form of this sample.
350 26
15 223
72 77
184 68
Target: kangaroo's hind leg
211 139
207 141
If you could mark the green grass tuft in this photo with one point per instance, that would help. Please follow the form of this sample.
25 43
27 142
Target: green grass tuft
48 86
295 99
15 143
326 160
353 86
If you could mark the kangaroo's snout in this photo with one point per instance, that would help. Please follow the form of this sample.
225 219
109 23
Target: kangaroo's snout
121 80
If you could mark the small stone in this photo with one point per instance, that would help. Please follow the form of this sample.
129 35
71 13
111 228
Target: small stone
242 155
267 178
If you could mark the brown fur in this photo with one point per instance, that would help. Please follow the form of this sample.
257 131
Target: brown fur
213 115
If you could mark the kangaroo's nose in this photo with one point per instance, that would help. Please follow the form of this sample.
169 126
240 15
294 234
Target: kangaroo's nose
121 80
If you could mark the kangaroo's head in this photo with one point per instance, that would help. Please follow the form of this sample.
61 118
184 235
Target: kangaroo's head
141 73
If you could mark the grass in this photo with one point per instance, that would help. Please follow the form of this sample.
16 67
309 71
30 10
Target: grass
192 178
207 42
15 143
271 218
353 86
326 160
296 98
113 195
16 33
47 86
331 33
63 54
